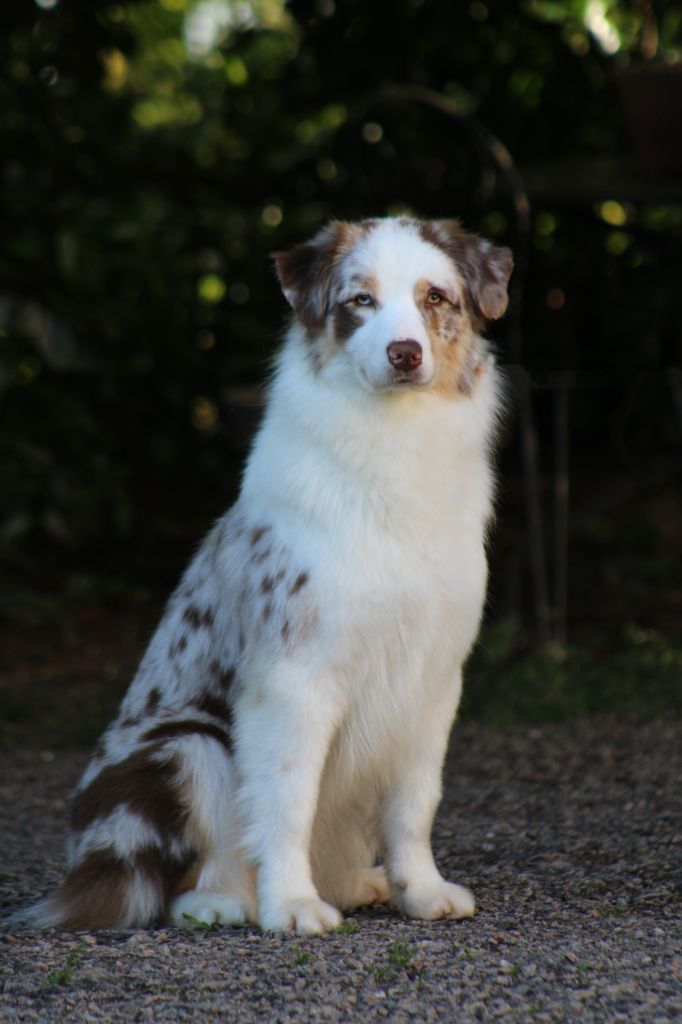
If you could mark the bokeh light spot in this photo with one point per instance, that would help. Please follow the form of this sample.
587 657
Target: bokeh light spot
372 132
211 288
613 213
204 414
272 215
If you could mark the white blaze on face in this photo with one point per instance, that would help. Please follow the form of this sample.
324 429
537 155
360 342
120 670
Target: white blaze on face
389 265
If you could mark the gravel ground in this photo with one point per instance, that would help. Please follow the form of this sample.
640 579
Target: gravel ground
570 836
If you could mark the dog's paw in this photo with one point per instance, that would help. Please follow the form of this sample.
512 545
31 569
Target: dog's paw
367 886
195 908
445 899
309 916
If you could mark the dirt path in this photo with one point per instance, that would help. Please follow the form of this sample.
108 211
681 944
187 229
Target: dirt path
570 836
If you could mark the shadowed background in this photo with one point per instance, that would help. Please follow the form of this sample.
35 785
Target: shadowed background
156 151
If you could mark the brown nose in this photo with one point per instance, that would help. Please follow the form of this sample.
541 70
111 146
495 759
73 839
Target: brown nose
405 355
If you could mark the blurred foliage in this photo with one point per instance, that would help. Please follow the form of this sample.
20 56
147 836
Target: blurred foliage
157 150
506 683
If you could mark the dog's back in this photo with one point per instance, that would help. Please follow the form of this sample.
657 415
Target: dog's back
289 720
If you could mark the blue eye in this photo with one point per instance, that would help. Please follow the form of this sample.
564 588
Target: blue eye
363 299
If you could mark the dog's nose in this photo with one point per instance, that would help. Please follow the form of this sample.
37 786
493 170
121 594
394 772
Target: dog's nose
405 355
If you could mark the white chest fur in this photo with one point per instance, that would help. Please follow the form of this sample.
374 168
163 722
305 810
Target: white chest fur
385 497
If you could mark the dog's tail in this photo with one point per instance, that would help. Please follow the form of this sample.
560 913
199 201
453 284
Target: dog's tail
105 890
129 847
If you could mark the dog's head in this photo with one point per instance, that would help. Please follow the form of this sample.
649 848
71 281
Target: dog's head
398 301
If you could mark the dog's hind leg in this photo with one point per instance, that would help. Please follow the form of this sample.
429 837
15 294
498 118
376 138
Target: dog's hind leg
363 887
223 888
344 856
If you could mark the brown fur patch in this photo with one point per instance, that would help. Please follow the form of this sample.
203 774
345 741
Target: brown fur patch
346 319
196 618
485 268
258 534
306 272
153 700
298 583
177 647
93 894
346 316
188 727
217 707
452 339
144 785
223 676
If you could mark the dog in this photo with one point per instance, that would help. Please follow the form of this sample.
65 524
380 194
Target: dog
277 759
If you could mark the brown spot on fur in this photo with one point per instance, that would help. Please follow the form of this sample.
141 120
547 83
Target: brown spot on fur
267 584
144 784
153 699
226 678
298 583
223 677
285 630
217 707
177 647
470 375
188 727
196 618
267 611
258 534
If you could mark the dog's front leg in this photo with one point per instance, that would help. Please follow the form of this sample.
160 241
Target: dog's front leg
416 884
283 734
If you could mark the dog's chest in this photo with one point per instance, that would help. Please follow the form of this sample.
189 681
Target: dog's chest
403 592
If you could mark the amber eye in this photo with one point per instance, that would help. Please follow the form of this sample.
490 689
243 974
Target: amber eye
363 299
433 298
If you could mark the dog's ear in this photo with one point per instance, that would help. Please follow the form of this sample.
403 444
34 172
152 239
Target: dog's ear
305 273
486 268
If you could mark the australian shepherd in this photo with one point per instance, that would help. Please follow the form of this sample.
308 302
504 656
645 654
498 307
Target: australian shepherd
278 756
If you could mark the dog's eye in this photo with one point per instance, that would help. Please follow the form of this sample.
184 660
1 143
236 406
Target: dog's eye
434 297
363 299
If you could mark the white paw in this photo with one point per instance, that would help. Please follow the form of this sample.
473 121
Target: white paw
441 900
195 908
308 916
